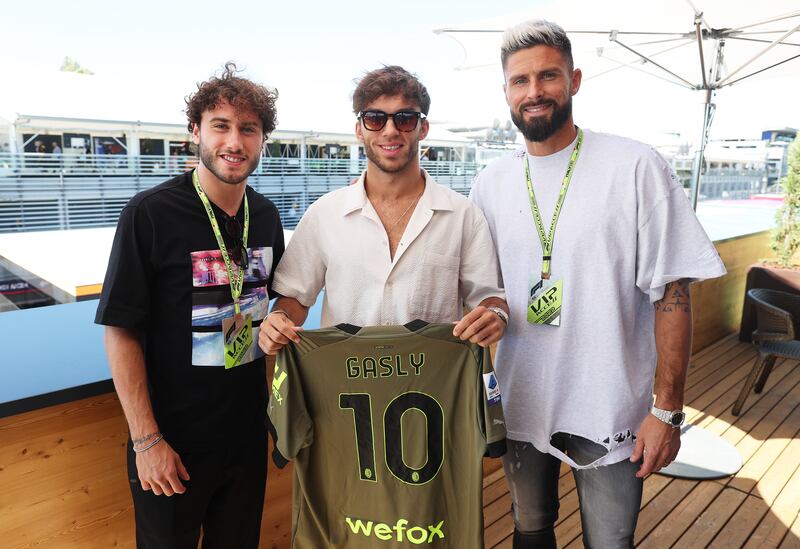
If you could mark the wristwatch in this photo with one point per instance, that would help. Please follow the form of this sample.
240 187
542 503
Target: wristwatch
499 312
674 417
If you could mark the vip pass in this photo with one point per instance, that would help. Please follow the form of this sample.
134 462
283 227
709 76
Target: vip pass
237 330
546 296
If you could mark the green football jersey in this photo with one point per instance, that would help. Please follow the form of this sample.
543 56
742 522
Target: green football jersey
387 427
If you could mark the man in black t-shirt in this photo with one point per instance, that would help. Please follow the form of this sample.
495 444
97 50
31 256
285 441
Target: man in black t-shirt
188 281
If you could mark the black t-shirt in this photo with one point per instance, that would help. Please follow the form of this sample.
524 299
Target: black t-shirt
167 280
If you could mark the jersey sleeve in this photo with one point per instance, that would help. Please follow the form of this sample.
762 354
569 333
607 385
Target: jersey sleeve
291 425
490 409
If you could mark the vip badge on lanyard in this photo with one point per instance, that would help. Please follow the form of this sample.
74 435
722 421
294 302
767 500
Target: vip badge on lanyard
544 302
546 294
237 331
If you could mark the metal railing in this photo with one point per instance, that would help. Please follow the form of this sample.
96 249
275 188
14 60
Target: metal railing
77 164
65 191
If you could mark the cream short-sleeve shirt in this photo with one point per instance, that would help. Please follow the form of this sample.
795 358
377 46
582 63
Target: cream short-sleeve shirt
445 259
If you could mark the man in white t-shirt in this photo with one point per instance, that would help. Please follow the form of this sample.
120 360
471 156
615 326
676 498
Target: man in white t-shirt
395 246
597 245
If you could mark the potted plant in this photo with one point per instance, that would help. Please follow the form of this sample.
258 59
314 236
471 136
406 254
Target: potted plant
780 272
786 239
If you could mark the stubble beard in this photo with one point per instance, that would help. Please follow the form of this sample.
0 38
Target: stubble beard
210 159
542 128
373 157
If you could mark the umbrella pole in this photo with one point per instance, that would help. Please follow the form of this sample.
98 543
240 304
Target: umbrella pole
699 158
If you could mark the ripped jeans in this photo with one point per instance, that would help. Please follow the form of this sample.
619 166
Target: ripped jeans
609 496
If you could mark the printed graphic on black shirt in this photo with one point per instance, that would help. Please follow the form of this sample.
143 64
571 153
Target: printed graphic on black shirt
211 302
208 267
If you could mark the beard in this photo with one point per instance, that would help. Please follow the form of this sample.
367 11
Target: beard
541 128
373 157
210 161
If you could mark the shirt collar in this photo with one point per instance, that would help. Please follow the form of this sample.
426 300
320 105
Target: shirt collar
435 197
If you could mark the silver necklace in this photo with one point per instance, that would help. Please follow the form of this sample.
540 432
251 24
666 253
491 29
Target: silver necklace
402 215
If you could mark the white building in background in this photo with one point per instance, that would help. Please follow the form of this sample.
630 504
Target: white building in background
77 114
764 160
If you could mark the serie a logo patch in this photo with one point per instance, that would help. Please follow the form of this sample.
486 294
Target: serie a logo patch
492 388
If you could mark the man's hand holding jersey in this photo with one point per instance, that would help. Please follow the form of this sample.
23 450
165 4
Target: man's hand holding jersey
281 325
485 324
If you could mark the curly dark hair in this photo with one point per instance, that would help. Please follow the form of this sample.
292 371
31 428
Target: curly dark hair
390 81
240 92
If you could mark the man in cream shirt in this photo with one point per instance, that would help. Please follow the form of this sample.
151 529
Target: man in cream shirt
395 246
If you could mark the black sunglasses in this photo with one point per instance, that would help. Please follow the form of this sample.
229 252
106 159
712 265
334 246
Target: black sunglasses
404 121
238 253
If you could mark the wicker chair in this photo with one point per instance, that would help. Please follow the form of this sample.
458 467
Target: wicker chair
778 320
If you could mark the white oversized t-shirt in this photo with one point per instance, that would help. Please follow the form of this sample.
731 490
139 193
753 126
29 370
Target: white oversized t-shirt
626 230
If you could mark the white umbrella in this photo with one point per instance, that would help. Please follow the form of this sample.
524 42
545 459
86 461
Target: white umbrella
699 45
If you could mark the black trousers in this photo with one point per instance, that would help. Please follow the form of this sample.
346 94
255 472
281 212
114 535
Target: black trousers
224 498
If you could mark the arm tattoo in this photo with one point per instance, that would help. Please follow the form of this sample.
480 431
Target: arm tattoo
145 438
676 298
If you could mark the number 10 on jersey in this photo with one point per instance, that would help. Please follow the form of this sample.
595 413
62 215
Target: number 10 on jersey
361 405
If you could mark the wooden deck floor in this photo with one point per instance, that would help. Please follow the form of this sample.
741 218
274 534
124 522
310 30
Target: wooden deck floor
63 484
759 507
